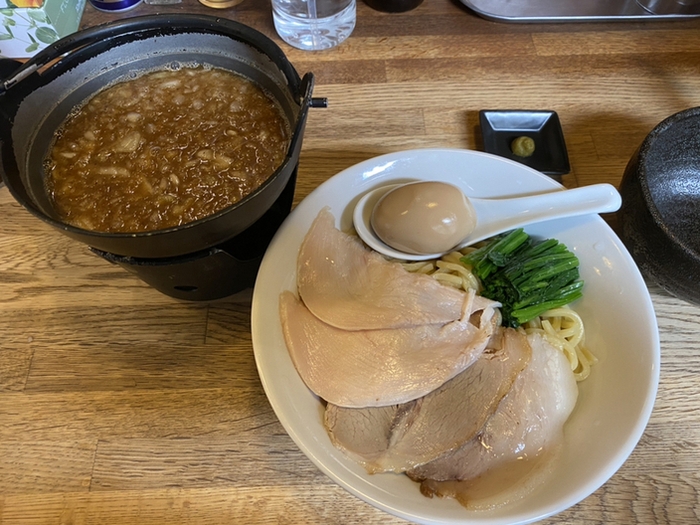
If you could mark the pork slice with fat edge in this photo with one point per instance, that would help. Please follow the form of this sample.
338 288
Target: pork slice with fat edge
351 287
373 368
517 445
401 437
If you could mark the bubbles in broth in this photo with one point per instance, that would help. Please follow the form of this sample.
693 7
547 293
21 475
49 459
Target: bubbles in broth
164 149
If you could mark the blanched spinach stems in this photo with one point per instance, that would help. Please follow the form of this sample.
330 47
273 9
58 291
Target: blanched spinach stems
525 276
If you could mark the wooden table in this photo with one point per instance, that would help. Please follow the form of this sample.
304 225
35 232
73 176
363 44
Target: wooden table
120 405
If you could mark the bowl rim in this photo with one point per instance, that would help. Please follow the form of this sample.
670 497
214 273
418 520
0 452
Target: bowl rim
297 408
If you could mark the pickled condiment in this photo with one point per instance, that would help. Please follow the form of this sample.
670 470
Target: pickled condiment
523 146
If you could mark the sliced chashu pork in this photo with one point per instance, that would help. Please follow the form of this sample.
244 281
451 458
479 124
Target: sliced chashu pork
351 287
400 437
519 440
371 368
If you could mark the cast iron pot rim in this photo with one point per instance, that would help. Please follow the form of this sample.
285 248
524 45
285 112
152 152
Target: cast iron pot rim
171 24
642 154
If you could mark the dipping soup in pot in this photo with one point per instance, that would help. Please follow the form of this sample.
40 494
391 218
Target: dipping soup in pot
165 149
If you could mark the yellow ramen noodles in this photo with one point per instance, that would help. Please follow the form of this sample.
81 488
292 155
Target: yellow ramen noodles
562 327
165 149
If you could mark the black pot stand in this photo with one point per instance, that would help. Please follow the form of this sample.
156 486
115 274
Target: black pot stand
216 272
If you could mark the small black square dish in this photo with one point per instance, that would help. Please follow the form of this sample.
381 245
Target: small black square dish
500 128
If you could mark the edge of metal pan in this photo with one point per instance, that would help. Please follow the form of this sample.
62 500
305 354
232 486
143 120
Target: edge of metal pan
537 11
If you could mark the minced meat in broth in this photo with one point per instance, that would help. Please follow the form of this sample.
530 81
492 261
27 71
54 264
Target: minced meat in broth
165 149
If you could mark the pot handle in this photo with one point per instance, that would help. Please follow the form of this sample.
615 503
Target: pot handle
61 48
45 57
7 67
306 88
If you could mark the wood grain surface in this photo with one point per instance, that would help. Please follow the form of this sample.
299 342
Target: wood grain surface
120 405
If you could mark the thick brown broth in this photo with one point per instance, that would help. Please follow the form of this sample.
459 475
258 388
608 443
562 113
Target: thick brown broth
165 149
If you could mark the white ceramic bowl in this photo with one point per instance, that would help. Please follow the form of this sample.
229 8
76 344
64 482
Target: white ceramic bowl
614 404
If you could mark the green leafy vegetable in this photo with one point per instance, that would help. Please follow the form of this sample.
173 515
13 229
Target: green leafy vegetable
526 277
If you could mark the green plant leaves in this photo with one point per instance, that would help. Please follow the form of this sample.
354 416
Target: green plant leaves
47 35
38 15
31 28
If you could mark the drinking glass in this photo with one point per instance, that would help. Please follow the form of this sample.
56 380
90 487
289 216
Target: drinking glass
314 24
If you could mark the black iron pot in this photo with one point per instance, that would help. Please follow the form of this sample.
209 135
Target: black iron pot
38 96
660 213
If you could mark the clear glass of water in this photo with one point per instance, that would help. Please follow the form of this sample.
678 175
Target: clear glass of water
314 24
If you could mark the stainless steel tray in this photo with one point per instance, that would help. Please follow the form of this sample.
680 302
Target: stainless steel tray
565 11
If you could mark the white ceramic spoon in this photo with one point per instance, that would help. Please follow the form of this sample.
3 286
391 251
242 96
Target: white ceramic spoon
496 216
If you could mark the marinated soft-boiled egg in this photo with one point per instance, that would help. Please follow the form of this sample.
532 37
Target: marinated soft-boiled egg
423 217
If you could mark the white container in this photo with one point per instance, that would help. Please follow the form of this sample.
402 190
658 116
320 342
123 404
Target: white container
314 24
